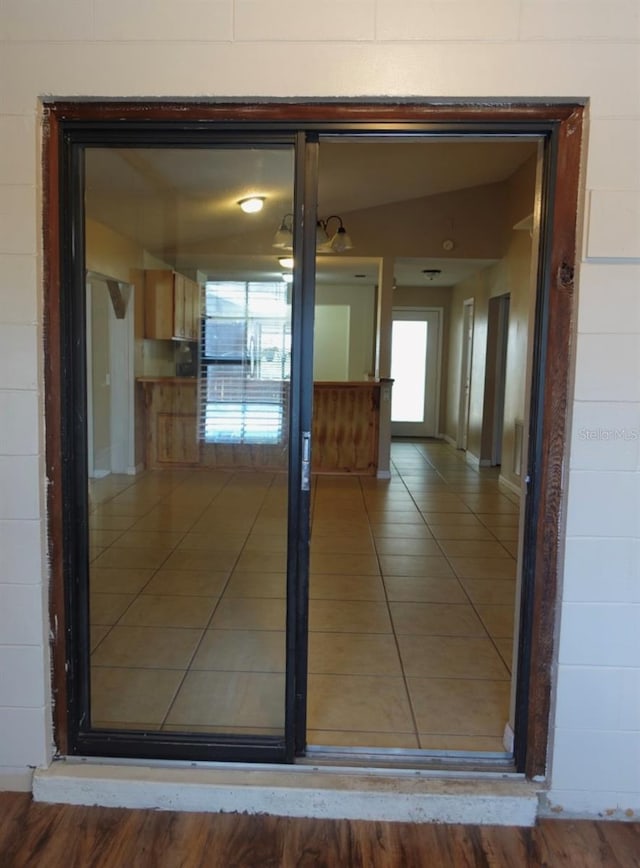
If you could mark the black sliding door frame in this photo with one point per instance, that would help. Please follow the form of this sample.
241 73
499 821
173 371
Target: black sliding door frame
70 128
84 739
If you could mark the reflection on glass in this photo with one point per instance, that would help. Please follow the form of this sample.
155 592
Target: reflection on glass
408 370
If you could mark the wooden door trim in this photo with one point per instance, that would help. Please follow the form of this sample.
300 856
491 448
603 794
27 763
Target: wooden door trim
557 364
548 523
53 375
481 112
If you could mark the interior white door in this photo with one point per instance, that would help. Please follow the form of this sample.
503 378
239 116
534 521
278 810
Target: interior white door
415 370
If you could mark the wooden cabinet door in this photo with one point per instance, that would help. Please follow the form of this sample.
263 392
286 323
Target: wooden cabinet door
188 309
179 306
172 306
192 310
159 304
176 439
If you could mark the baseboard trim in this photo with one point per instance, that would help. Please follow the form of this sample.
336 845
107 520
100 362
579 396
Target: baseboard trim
300 792
472 460
16 780
510 485
587 805
508 737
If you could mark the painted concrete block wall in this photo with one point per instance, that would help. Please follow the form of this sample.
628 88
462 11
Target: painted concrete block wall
598 691
24 666
351 48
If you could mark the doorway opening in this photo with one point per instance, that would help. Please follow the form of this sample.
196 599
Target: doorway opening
465 374
110 377
495 380
218 524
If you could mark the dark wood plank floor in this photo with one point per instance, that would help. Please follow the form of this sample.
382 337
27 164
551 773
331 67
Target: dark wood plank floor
60 836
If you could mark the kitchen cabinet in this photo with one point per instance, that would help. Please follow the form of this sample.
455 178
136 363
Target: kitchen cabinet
171 421
176 439
171 306
346 424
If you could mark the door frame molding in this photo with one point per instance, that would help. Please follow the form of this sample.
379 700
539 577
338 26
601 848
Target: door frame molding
561 122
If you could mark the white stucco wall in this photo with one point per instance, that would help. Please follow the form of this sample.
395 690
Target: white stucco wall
347 48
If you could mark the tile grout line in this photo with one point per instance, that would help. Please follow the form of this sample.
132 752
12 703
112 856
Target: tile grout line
473 605
217 605
393 626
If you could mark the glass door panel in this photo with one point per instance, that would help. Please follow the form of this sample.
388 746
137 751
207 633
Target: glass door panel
415 360
408 370
188 360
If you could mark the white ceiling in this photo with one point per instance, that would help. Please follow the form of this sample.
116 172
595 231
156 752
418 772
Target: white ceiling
174 200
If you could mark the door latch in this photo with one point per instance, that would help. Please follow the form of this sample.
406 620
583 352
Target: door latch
305 466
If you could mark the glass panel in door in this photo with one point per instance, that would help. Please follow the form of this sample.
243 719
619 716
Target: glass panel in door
415 350
188 358
408 369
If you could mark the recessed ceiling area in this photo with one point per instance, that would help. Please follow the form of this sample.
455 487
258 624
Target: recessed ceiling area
181 204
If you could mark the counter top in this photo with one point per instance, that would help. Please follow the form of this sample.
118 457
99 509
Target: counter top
323 383
167 381
333 384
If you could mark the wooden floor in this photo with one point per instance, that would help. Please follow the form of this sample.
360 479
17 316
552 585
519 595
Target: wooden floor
57 836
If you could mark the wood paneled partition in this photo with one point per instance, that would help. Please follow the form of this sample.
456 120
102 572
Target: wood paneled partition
346 420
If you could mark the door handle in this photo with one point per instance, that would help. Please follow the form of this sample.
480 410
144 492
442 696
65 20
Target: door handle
305 464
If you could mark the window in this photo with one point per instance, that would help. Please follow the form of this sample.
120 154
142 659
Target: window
246 362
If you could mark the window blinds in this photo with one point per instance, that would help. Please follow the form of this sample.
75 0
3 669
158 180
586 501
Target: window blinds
245 363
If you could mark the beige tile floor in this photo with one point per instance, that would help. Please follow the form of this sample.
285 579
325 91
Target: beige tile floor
411 603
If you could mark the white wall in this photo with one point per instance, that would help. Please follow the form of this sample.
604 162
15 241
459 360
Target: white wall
392 48
360 309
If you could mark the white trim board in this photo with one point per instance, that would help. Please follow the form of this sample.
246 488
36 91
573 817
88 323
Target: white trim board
510 485
16 780
472 460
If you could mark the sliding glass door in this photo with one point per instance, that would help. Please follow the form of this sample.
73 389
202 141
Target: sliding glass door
187 443
186 518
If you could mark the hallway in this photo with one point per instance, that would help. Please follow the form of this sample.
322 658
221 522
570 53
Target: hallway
411 603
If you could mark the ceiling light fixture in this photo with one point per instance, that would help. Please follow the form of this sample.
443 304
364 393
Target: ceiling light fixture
252 204
431 273
337 243
283 239
325 243
286 261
